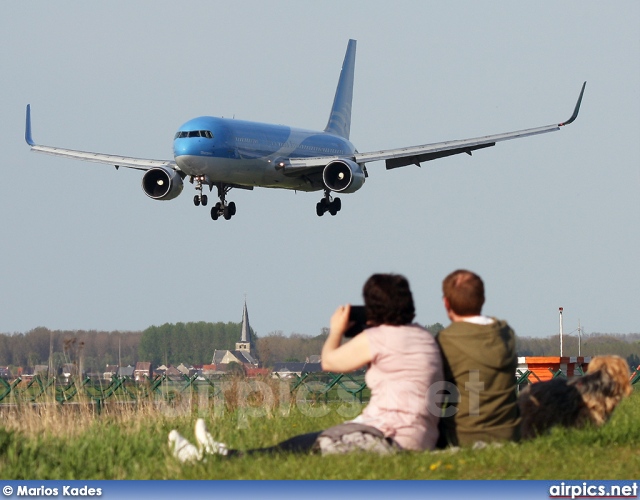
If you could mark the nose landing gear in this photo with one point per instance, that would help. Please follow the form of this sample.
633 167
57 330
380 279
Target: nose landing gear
200 199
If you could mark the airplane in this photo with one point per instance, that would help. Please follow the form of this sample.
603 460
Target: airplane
229 153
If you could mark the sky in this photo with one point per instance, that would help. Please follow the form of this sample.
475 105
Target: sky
548 221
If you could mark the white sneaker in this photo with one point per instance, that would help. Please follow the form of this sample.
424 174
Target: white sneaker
207 442
182 449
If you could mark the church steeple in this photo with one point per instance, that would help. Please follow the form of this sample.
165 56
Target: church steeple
246 342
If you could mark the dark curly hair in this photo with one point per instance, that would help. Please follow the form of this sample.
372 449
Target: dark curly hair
388 300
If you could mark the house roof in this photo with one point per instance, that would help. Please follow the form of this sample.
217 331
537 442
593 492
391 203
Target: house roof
172 371
182 368
125 371
254 372
222 356
297 367
245 357
218 354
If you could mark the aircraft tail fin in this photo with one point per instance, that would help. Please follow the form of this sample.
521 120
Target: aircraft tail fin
340 117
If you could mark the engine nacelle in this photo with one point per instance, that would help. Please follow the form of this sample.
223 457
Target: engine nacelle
162 183
343 176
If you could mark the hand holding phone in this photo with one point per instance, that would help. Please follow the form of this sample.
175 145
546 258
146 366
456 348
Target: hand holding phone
357 320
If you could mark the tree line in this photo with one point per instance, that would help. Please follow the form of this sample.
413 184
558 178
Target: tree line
96 348
276 347
191 343
194 343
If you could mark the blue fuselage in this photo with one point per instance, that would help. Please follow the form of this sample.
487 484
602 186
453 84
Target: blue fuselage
248 153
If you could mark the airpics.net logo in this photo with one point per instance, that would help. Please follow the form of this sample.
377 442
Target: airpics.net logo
43 491
586 490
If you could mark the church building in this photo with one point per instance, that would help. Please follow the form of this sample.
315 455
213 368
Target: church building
245 351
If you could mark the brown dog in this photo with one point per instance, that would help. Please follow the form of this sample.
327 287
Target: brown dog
576 402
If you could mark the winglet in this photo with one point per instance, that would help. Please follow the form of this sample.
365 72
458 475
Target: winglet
27 130
577 108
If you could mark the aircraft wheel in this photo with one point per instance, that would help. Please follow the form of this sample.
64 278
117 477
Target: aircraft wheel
226 213
232 208
214 212
204 200
336 203
196 200
332 209
319 209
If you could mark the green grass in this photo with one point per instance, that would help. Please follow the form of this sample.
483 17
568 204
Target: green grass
132 444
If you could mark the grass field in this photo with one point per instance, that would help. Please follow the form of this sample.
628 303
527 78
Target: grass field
130 442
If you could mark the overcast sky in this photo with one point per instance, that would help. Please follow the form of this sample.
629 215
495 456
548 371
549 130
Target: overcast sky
548 221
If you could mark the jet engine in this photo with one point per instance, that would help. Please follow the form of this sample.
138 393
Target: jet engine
162 183
343 176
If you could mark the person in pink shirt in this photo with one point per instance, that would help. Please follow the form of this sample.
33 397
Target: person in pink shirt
404 373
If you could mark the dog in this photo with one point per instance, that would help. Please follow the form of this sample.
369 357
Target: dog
577 402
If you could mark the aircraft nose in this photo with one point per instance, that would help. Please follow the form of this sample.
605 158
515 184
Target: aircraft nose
185 147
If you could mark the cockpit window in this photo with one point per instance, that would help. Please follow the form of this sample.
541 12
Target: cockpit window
193 133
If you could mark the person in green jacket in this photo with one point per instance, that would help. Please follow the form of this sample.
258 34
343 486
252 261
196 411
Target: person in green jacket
479 357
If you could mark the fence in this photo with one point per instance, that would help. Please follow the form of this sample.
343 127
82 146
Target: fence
311 387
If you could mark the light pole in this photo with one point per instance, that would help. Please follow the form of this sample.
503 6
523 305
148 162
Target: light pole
560 309
579 336
50 370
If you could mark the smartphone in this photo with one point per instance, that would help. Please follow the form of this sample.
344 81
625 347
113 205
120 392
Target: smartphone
358 318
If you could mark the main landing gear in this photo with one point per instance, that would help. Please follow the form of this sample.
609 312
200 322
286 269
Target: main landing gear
326 204
222 208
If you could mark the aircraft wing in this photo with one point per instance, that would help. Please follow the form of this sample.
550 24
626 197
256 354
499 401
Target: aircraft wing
415 155
117 161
